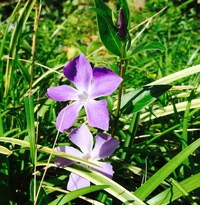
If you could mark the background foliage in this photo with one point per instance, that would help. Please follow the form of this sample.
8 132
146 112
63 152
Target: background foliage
148 139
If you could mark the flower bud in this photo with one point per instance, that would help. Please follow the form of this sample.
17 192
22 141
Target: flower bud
122 25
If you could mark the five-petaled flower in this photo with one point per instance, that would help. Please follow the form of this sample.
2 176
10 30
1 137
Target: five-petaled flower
90 84
82 138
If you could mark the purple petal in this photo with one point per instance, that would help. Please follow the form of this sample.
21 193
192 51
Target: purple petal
97 114
60 161
104 82
106 169
104 147
68 116
79 72
76 182
62 93
82 138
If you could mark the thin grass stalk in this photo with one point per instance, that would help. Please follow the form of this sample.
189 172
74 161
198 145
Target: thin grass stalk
177 76
182 190
29 110
160 135
185 126
169 195
3 44
122 68
48 162
14 42
7 28
152 183
1 126
129 140
36 20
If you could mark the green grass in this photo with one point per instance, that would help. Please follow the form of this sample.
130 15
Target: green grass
159 151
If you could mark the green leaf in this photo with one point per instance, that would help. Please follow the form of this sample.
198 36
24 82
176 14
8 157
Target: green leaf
47 150
16 34
5 151
45 107
97 178
153 45
75 194
173 193
178 75
107 32
43 198
136 100
29 109
152 183
105 16
169 110
1 125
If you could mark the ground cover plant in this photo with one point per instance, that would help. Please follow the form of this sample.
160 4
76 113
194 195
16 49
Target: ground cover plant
99 102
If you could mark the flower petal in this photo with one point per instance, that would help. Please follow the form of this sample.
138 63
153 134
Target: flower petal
82 138
79 72
68 116
76 182
60 161
106 169
104 82
62 93
104 147
97 114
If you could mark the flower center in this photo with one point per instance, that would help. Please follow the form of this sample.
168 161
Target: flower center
83 97
87 157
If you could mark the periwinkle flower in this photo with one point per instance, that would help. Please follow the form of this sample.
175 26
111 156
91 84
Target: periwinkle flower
82 138
90 84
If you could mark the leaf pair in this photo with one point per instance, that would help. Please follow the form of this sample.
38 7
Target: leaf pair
107 25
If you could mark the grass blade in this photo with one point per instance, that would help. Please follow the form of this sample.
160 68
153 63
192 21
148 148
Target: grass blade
171 194
77 193
47 150
29 109
177 76
151 184
99 179
15 40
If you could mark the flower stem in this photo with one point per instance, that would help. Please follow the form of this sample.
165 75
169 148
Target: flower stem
122 67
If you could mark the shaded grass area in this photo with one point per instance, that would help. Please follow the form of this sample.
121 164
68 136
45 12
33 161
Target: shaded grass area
67 28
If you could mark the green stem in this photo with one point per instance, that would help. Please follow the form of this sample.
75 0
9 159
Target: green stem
122 67
185 125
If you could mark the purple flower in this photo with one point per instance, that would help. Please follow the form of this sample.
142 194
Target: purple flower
82 138
90 84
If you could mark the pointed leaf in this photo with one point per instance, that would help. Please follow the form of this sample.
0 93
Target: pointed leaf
173 193
152 183
104 15
77 193
4 150
29 110
136 100
97 178
107 32
153 45
47 150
